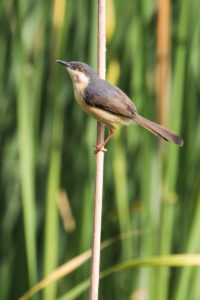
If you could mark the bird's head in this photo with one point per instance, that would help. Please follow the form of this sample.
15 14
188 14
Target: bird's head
79 72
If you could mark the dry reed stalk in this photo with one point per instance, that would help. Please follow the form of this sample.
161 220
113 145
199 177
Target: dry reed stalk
94 276
163 60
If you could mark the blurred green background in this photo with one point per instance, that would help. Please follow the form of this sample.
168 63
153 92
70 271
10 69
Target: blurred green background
47 160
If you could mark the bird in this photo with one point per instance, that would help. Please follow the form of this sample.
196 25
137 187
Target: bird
108 104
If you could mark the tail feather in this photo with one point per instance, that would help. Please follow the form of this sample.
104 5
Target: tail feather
158 130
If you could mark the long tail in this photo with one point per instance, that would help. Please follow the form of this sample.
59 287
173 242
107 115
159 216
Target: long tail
158 130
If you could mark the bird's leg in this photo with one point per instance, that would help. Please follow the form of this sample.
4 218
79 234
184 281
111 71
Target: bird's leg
101 147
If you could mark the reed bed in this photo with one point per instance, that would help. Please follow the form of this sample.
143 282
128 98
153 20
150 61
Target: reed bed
46 146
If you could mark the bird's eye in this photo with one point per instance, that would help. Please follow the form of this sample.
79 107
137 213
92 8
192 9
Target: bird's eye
80 69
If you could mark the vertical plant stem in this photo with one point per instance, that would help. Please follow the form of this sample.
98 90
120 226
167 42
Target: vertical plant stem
51 240
25 136
94 276
163 60
193 246
169 204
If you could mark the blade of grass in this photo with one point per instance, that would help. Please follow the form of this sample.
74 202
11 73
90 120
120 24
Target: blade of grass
53 183
25 137
121 194
168 209
178 260
193 245
76 262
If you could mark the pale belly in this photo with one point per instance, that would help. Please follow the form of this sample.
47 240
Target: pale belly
99 114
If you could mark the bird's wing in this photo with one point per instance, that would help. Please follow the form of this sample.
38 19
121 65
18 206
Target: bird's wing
104 95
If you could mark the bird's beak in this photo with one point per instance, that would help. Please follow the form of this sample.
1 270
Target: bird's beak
64 63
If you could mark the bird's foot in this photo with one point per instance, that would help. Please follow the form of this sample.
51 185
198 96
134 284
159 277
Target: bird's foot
99 148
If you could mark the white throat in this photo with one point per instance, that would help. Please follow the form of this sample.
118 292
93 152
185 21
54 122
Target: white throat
79 79
80 82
